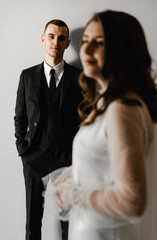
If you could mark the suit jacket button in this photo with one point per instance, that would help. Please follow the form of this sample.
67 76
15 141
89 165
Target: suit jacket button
35 124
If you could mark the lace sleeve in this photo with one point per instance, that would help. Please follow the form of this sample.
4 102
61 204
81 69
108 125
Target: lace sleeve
61 175
125 196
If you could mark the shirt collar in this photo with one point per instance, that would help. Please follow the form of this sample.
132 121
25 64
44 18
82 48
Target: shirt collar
58 68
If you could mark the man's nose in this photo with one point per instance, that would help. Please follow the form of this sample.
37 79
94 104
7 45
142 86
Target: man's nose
56 41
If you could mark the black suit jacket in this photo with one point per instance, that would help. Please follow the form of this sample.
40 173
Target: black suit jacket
27 111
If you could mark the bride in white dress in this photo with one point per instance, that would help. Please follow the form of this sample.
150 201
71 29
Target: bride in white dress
110 190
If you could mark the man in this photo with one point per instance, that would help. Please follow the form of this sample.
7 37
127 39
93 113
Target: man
46 120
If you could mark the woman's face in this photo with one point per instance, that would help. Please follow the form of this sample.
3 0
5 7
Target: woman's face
92 51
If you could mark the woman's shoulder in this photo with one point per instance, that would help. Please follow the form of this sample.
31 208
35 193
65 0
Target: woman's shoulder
119 109
126 114
129 104
122 114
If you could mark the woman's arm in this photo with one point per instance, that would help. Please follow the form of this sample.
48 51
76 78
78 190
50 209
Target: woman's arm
125 196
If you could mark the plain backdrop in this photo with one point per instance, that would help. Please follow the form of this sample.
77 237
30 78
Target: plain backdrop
21 26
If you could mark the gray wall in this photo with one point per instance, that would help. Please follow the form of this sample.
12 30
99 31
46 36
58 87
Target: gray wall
21 26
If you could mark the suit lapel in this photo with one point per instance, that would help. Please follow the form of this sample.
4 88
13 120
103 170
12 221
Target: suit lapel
38 74
65 82
37 80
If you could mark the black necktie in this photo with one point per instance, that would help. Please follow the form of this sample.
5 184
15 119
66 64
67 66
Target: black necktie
52 80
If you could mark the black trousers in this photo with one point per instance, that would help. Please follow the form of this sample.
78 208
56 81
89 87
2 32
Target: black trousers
35 166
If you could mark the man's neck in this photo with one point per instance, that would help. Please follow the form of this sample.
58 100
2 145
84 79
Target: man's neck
53 62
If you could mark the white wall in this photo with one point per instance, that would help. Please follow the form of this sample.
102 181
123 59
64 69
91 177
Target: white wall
21 25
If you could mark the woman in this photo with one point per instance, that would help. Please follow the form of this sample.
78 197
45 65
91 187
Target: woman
110 188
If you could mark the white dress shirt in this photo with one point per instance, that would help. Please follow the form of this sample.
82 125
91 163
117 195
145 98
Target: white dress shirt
59 69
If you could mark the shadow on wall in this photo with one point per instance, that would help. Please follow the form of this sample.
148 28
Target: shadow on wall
76 36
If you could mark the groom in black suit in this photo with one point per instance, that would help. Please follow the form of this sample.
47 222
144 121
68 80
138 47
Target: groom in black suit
46 120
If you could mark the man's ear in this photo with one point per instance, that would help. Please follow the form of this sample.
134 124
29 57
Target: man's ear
43 38
68 43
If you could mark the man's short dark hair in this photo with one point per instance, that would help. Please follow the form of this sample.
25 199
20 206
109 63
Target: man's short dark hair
58 23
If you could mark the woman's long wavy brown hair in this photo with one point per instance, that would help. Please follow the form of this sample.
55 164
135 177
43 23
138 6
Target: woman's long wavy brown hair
127 67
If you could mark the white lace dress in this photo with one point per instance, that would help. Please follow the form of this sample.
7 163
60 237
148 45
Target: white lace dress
92 169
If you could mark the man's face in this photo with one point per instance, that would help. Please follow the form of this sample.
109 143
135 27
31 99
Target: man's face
55 40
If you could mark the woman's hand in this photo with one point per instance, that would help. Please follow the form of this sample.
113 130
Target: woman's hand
61 194
66 174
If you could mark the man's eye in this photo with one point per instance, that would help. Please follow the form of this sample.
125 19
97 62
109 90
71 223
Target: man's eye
62 38
51 37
